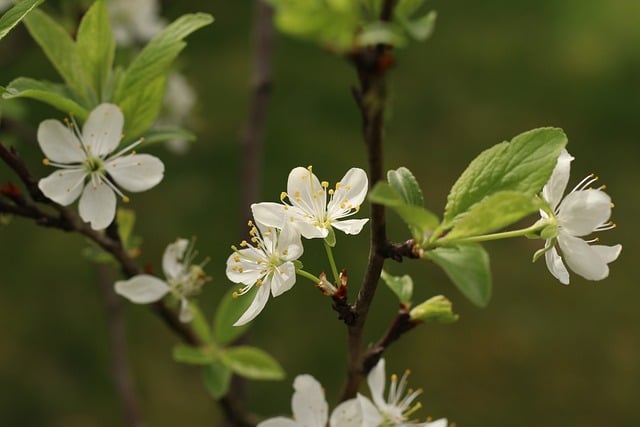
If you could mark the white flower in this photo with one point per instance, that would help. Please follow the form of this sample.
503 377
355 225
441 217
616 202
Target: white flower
266 262
583 211
87 156
310 408
135 20
396 410
308 209
184 279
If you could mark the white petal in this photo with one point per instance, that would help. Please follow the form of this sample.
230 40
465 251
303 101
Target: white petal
582 258
142 289
350 226
554 189
186 315
278 422
347 414
102 131
309 406
304 191
256 306
97 205
63 186
370 414
376 380
442 422
556 266
242 266
270 214
582 211
310 231
353 189
289 244
283 279
136 172
607 253
171 264
59 143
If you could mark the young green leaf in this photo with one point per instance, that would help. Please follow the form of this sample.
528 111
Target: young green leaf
193 355
141 108
402 286
217 378
493 213
420 28
199 324
436 309
252 363
56 95
96 46
384 194
13 16
156 57
523 165
403 181
61 51
228 312
468 268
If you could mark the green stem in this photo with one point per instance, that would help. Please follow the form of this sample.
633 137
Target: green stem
332 262
488 237
309 276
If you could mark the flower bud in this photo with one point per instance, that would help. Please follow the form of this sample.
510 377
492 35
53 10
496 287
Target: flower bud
435 309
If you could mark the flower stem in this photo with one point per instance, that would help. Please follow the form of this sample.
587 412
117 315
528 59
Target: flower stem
488 237
332 262
309 276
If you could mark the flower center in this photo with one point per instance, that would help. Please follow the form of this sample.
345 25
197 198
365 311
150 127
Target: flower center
93 166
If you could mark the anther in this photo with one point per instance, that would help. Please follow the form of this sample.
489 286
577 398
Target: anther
325 184
45 162
125 199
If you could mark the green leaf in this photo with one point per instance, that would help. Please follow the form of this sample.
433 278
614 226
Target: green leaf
60 50
13 16
141 108
194 355
436 309
56 95
96 46
228 312
523 165
402 286
199 323
384 194
468 268
156 57
493 213
154 136
252 363
403 181
217 378
421 28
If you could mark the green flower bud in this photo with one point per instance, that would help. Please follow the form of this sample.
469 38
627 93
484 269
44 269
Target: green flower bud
435 309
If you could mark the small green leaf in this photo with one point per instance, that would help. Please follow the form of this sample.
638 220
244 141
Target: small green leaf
194 355
384 194
468 268
252 363
436 309
493 213
403 181
61 51
228 312
402 286
420 220
523 165
96 46
13 16
56 95
141 108
421 28
217 378
199 323
154 136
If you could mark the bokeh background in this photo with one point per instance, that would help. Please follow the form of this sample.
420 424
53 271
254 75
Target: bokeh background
541 353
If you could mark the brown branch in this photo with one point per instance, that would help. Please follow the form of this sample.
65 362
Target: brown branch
401 324
371 65
120 368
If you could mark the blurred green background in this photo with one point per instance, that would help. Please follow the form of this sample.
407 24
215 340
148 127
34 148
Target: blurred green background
541 353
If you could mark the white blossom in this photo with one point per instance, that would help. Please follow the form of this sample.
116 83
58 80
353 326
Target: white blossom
583 211
183 279
310 408
308 208
398 407
265 262
89 156
135 20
